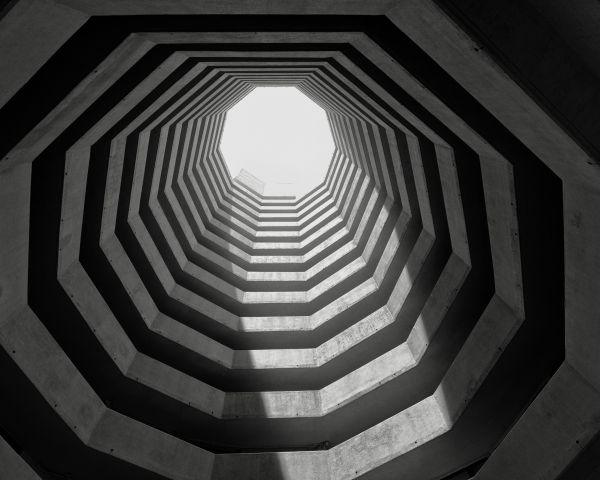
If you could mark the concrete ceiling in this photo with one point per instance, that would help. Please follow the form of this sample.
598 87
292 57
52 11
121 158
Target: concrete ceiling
429 311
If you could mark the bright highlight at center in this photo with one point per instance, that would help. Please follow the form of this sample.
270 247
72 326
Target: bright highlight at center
280 136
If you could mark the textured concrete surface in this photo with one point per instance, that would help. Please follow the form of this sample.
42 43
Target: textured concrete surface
428 311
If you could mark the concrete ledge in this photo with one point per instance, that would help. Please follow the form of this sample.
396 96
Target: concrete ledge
13 466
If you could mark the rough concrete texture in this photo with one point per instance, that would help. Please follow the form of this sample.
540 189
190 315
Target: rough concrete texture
428 311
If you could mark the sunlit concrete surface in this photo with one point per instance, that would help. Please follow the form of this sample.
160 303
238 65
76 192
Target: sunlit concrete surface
407 288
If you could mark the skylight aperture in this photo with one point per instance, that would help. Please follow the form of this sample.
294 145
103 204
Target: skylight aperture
280 136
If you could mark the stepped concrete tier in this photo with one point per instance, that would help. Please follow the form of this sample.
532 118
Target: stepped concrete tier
428 311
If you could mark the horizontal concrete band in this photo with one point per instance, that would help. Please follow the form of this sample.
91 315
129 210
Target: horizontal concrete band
469 254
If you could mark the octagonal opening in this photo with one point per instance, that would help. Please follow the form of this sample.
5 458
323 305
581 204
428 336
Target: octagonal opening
281 137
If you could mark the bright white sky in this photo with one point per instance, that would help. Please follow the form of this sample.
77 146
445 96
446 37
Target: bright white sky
280 136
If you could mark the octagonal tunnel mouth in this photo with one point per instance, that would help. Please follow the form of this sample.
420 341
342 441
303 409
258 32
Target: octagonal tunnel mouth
277 142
